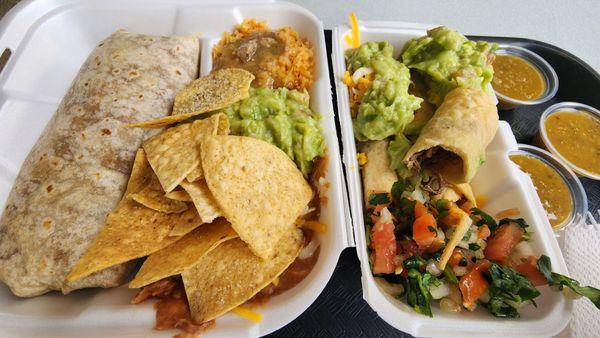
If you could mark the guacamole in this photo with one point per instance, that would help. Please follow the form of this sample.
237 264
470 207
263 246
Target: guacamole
281 117
397 149
449 60
386 108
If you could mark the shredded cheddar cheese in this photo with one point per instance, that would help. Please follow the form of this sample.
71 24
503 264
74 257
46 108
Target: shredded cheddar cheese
275 281
316 226
355 32
248 314
348 40
362 159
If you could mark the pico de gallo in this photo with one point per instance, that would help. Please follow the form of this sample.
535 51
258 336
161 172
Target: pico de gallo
430 248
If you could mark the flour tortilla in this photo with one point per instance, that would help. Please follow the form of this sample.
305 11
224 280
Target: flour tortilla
77 171
453 142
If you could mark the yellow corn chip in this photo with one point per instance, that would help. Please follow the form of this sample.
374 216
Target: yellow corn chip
161 122
207 207
140 173
131 231
183 254
179 195
175 152
183 228
257 187
231 274
152 196
215 91
222 129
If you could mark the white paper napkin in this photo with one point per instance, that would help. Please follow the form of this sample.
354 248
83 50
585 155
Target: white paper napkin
582 255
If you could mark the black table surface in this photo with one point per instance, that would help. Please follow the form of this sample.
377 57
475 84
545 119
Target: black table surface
340 310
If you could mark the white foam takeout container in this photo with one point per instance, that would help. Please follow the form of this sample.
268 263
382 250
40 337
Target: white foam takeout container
49 40
504 185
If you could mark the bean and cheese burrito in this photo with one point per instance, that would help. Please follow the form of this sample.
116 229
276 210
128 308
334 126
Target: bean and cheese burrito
77 171
453 142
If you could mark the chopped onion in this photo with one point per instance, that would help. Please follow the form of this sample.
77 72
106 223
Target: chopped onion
485 297
389 288
448 305
455 294
460 271
439 291
361 72
432 268
309 249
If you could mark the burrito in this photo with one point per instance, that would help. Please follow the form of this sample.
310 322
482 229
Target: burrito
452 144
77 171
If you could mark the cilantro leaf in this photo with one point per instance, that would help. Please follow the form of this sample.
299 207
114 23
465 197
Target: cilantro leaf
450 275
545 267
417 295
485 219
380 198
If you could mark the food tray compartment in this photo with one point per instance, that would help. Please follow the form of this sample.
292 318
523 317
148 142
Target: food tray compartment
498 179
49 41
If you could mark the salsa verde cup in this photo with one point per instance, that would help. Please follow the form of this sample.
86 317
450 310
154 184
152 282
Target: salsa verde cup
578 195
505 102
545 141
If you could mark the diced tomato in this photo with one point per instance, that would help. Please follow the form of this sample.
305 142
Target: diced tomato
380 207
410 247
467 206
453 217
503 242
420 209
473 284
512 212
383 242
374 218
483 232
529 269
455 258
425 230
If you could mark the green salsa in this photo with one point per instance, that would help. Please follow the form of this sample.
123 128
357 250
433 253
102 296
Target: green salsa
386 108
283 118
449 60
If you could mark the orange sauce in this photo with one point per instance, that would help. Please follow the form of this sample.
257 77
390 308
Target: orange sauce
576 136
550 186
517 78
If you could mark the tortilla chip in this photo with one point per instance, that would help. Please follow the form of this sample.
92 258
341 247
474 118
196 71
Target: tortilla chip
219 89
205 203
231 274
152 196
257 186
174 153
179 195
161 122
140 173
131 231
377 174
184 253
222 129
182 228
